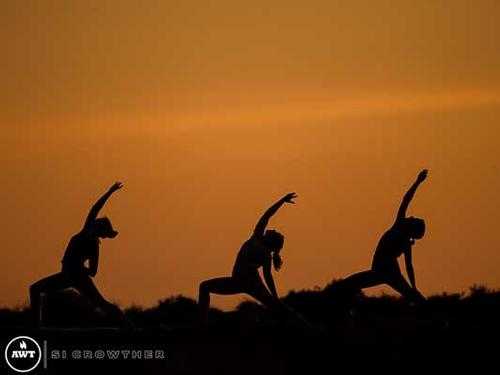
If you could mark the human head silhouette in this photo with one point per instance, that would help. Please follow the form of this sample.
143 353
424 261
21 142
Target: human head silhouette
415 227
275 240
103 228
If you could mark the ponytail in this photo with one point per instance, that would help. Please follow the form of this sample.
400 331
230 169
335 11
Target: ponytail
277 261
274 241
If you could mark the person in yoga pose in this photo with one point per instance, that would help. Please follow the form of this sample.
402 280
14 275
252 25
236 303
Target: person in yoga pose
83 246
261 250
396 241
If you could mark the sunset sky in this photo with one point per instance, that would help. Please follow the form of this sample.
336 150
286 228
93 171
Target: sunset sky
209 111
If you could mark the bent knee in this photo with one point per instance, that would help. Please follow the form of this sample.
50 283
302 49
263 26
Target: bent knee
204 287
36 288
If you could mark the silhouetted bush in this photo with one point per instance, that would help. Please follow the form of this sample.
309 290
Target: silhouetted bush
328 306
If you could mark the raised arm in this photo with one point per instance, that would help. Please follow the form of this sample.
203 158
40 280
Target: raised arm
264 220
409 195
268 277
94 211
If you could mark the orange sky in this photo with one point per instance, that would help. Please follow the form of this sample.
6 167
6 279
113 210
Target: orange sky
209 112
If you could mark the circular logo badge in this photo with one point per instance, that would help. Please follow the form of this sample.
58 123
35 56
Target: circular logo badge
23 354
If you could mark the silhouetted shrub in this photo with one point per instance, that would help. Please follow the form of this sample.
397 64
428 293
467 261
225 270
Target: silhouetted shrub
328 306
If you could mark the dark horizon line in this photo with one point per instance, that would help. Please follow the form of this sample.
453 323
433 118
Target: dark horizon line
462 294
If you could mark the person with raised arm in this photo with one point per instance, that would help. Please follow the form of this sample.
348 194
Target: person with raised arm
396 241
83 247
262 249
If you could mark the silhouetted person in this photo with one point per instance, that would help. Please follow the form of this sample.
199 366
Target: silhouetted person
83 246
398 240
261 250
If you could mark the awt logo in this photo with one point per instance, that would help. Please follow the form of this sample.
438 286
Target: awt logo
23 354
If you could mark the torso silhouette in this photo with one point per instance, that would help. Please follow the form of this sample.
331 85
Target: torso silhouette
81 247
391 245
252 255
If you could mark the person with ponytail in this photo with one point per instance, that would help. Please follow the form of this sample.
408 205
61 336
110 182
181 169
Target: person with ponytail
396 241
262 249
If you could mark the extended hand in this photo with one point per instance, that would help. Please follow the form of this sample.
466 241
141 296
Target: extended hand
289 198
422 175
116 186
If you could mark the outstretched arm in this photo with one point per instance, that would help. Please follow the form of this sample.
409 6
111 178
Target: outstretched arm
409 268
409 195
94 211
264 220
268 276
